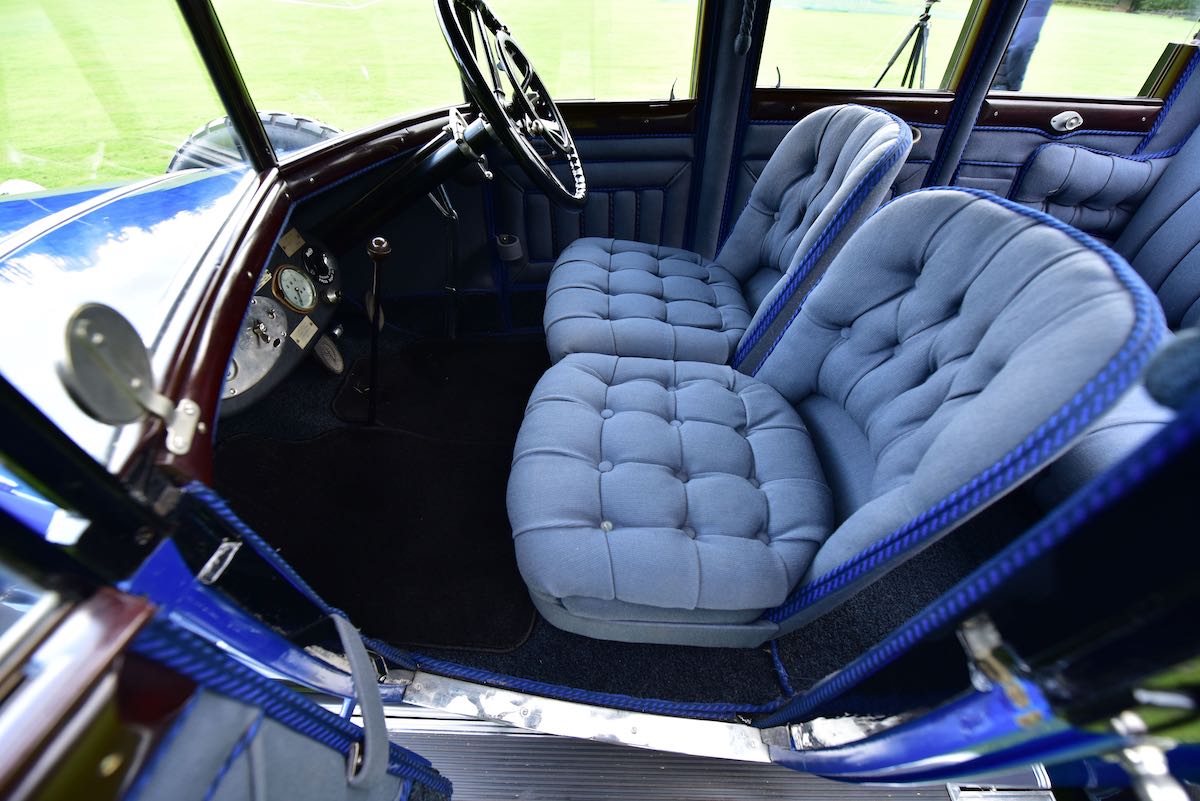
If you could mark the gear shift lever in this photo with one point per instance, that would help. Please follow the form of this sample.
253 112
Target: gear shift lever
378 250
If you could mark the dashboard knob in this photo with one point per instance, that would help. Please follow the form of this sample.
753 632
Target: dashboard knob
316 261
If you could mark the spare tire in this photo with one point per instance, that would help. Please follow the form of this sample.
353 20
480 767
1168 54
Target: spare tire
217 145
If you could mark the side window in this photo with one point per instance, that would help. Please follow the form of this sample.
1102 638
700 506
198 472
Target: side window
1105 49
607 49
858 44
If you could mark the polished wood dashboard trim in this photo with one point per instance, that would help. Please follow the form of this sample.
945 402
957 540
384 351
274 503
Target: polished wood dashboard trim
930 107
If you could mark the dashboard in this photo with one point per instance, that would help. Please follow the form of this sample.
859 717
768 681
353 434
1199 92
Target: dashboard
294 302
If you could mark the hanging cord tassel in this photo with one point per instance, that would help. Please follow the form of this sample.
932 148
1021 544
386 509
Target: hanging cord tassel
741 45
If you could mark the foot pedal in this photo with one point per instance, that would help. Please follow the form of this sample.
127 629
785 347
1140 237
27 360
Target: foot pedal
369 306
329 355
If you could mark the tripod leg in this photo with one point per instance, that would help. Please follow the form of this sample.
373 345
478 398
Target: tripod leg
910 66
896 55
924 52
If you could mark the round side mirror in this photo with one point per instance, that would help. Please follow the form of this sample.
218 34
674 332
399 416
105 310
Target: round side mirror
106 368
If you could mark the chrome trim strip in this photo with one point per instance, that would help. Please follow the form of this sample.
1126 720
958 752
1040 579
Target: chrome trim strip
640 730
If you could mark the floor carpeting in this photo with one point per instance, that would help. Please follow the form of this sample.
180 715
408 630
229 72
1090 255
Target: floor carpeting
475 391
406 533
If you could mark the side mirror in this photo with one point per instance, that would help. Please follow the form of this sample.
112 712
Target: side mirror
106 371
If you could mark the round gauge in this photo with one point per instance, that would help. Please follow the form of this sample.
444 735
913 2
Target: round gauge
295 289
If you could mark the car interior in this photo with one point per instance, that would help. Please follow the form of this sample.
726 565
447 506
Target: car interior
683 405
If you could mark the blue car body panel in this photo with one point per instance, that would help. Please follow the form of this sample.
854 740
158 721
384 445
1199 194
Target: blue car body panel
137 248
21 210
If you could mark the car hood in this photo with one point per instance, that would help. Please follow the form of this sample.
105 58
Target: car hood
136 248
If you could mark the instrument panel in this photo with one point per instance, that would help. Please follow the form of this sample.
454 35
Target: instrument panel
293 303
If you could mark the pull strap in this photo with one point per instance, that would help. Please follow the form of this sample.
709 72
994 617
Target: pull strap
373 766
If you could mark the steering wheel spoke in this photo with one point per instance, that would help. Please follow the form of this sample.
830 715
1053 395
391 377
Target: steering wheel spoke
521 112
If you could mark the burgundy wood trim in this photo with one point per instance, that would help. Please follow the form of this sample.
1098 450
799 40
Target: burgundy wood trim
70 661
312 172
795 104
199 360
590 118
1135 116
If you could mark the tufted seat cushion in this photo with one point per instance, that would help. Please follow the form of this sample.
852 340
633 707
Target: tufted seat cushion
739 503
615 296
632 299
957 343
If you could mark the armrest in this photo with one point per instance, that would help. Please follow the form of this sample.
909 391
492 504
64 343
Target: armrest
1094 191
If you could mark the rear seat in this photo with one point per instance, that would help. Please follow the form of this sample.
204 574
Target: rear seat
1148 209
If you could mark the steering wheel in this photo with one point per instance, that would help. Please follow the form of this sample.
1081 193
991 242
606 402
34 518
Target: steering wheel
511 97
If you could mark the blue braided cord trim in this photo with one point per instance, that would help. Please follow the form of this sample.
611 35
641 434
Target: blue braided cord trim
146 772
852 204
781 671
203 663
1143 157
1094 398
970 593
691 709
241 745
1184 77
220 507
1055 137
955 119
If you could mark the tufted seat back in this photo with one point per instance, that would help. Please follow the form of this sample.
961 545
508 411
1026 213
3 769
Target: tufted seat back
803 187
1162 241
911 368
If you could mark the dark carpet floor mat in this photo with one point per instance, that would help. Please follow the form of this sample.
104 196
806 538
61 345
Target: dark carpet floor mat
407 533
456 390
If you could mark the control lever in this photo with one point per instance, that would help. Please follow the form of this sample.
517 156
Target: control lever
378 250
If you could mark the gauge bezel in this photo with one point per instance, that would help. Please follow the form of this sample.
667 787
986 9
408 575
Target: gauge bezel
282 298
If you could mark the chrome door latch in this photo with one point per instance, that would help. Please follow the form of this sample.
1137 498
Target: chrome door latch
1145 760
994 664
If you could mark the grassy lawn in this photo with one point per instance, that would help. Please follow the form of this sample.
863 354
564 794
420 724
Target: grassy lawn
90 94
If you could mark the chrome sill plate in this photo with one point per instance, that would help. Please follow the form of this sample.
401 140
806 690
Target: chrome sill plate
570 719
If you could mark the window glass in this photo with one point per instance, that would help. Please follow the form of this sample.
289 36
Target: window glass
846 44
344 63
607 49
1105 49
18 595
95 93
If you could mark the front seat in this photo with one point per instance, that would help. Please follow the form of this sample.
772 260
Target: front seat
956 343
626 298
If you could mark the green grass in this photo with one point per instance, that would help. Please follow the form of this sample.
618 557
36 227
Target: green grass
101 92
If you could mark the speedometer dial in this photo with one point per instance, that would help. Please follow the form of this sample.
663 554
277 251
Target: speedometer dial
296 290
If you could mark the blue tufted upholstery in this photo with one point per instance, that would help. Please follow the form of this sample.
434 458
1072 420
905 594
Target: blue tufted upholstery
1095 192
1162 241
954 345
828 174
615 296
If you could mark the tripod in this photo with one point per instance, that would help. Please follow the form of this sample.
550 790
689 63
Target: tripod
919 35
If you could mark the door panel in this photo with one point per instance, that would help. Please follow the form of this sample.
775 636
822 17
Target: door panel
638 188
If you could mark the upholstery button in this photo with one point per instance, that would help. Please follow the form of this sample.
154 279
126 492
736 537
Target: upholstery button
682 476
607 413
845 333
605 466
763 538
606 525
676 423
776 215
754 482
689 531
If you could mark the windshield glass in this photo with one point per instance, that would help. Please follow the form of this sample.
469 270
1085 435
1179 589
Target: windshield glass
104 195
327 66
96 93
